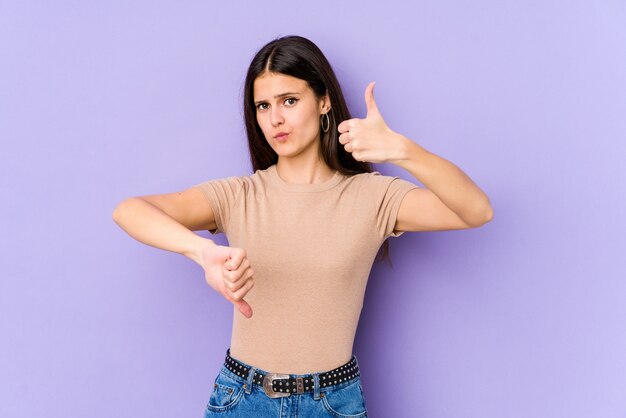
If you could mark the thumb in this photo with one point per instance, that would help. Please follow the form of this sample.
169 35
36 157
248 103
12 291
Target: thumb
372 108
243 307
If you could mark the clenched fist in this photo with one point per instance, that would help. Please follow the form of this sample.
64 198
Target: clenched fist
228 271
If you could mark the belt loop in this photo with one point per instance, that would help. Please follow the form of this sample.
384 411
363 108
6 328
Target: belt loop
250 379
316 386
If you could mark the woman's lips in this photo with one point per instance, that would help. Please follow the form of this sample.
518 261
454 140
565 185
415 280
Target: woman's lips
282 138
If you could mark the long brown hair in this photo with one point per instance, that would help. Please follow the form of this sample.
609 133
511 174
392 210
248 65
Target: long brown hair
298 57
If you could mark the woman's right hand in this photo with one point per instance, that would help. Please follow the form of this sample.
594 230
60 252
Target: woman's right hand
228 271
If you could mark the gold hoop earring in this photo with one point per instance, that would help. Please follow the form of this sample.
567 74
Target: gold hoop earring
327 122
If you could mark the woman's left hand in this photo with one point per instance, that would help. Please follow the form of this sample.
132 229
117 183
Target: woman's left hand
370 139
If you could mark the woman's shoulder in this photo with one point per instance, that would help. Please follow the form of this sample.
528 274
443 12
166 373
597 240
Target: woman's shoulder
377 183
366 177
257 176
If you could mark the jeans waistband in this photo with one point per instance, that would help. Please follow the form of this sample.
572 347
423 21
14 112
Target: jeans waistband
279 385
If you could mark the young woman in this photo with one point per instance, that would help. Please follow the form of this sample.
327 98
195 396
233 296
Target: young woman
303 231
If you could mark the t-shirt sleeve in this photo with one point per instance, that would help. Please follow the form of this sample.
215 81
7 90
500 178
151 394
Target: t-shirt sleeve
222 195
389 194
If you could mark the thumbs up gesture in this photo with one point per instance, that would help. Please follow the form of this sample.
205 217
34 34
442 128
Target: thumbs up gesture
370 139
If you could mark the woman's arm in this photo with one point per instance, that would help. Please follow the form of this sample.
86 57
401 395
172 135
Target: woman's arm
451 200
166 221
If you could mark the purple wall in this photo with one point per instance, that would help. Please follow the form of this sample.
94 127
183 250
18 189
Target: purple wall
524 317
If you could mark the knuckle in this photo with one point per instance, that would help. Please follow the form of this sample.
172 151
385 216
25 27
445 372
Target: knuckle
241 292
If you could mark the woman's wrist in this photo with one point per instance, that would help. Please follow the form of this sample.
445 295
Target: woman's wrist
197 246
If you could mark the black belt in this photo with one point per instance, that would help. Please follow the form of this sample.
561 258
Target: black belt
278 385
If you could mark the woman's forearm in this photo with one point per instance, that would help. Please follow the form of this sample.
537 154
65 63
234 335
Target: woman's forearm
150 225
455 188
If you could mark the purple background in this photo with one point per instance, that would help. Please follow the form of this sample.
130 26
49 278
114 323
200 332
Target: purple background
524 317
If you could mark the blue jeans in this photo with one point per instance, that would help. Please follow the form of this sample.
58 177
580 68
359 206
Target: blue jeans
233 396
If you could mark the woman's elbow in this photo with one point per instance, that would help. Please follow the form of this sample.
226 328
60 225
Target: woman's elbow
481 217
486 216
118 211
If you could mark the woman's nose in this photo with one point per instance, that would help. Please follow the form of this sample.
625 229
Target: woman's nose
276 117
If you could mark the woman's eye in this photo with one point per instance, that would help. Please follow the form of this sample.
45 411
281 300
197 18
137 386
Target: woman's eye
259 106
292 98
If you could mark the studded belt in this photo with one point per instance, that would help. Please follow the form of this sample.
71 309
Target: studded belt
278 385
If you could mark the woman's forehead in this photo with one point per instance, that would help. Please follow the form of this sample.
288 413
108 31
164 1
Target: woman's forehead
269 85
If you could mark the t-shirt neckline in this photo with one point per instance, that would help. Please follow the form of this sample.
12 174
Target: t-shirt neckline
304 187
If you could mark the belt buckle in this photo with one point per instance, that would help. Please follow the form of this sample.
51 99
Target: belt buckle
267 385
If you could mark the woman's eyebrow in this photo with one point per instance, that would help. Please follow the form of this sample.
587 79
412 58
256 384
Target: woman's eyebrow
280 95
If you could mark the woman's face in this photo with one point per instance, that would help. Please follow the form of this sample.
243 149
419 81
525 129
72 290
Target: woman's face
286 104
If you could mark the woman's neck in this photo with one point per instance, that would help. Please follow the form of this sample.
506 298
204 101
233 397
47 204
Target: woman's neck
299 172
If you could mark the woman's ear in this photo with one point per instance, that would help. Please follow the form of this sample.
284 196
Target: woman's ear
325 104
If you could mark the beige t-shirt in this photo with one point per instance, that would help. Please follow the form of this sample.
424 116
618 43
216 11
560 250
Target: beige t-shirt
311 247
